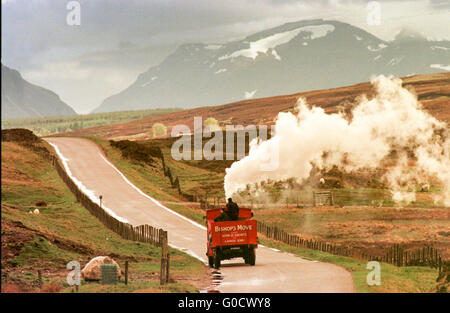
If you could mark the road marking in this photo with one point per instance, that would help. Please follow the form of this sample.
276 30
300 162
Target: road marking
82 187
190 252
147 196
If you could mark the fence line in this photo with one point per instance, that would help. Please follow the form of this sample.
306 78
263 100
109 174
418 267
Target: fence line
323 198
395 255
142 233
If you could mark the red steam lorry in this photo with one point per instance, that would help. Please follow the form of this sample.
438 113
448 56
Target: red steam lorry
231 239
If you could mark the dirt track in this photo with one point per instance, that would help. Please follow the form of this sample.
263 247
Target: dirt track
274 271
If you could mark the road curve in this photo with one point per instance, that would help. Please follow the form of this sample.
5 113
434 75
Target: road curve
274 271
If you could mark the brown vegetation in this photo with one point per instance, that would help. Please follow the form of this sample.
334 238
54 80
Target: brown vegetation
432 90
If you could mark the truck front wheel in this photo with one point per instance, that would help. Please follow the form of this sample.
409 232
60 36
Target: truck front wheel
216 259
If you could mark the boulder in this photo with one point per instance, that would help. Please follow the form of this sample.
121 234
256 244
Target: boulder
91 271
36 211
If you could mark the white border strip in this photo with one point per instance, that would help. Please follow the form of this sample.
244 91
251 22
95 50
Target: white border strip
190 252
82 187
154 200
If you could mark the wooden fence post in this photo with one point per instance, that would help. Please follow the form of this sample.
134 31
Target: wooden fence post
164 270
167 267
126 272
40 279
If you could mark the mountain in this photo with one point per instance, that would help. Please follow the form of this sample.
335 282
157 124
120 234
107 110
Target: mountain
23 99
300 56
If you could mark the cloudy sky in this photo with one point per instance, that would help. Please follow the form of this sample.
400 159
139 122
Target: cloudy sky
119 39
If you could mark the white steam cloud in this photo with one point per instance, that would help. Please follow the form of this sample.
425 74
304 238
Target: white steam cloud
392 121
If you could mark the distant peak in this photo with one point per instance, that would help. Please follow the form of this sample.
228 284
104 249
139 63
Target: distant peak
409 35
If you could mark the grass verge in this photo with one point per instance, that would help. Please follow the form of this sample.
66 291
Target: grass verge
393 279
64 231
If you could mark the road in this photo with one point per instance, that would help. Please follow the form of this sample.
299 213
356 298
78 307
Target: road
274 271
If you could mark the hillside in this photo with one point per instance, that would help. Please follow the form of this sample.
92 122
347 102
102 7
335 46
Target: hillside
44 126
64 231
22 99
433 92
300 56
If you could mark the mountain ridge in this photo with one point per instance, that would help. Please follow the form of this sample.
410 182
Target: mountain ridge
297 56
21 98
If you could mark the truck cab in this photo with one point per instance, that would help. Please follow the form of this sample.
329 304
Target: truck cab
231 239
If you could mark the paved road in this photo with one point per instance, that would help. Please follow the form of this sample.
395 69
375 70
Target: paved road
274 271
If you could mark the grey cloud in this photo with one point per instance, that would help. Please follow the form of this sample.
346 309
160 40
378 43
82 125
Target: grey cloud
129 36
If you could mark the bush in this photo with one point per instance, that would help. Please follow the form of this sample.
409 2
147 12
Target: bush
212 123
137 152
159 130
19 135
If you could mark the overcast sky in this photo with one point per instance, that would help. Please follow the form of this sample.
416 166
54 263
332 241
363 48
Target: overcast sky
119 39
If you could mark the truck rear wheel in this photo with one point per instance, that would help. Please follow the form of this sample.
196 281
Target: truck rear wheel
251 257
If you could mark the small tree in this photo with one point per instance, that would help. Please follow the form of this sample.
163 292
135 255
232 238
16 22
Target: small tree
159 130
212 123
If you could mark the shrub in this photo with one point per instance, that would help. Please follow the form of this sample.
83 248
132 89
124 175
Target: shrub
159 130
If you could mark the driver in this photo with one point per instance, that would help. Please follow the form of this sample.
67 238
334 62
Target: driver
231 212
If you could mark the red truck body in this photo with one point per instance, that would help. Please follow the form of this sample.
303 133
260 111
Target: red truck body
230 239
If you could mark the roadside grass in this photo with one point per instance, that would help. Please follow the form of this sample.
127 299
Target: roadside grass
65 231
196 215
371 229
412 279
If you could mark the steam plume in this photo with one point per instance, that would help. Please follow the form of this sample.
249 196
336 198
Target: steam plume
392 121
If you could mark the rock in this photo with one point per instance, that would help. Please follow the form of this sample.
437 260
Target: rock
322 181
36 211
91 271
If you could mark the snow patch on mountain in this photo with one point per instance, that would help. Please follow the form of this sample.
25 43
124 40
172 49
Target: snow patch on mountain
147 83
249 94
271 42
441 67
275 55
380 47
220 71
439 48
213 47
395 61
